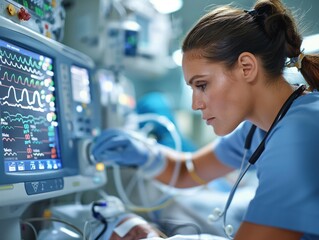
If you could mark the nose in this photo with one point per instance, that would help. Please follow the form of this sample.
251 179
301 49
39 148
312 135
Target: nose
197 103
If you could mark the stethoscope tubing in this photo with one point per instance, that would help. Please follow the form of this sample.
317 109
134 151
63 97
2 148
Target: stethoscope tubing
259 150
233 191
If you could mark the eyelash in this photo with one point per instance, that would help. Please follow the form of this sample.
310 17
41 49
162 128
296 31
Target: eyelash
202 87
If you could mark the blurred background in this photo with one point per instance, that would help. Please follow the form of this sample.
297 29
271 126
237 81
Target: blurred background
93 65
152 62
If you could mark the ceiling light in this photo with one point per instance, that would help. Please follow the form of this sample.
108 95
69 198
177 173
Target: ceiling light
167 6
177 57
310 44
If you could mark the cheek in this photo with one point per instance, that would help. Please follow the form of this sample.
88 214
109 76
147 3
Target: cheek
217 101
219 92
229 108
225 96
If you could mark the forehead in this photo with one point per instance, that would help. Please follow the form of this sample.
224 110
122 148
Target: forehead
192 55
192 59
193 64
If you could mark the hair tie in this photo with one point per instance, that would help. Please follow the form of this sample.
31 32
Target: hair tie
258 16
296 61
252 12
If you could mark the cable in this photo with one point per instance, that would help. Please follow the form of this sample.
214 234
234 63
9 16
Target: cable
195 226
103 230
138 179
32 227
54 220
191 170
141 189
84 228
119 186
197 178
165 122
130 186
179 224
160 233
85 233
99 217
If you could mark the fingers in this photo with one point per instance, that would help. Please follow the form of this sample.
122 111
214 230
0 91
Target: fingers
116 144
110 139
108 134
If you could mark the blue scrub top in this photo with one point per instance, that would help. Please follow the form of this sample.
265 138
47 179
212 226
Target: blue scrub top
288 170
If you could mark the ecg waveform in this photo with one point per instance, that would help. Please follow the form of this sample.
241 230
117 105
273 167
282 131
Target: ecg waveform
29 124
29 119
13 59
8 139
33 103
30 82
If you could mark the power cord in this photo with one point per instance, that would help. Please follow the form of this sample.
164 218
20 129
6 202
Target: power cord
99 217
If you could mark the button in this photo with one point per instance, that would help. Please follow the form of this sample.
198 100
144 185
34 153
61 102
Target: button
23 14
11 10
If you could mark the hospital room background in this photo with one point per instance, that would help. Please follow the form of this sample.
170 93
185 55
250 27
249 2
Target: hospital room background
72 68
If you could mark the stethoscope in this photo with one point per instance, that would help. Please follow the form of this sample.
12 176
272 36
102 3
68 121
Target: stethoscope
218 213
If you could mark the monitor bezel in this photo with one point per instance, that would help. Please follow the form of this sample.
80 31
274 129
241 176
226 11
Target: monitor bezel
69 166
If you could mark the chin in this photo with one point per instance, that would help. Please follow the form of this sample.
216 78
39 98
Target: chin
222 131
218 132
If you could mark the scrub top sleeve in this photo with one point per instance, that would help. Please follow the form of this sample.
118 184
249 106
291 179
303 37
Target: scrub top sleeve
229 149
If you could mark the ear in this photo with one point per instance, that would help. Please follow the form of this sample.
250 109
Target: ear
248 66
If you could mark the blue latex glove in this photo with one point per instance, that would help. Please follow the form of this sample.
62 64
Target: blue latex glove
116 146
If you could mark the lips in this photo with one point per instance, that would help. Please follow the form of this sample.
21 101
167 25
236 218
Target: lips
209 120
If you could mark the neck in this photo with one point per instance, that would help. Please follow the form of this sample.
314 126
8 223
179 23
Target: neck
269 101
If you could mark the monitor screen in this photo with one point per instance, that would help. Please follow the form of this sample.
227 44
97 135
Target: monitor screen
80 84
28 111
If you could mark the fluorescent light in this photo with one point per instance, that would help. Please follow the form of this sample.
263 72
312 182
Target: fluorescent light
167 6
177 57
69 232
310 43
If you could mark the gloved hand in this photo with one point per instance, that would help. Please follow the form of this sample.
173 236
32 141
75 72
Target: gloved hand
116 146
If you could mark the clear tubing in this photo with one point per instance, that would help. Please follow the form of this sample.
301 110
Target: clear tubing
165 122
161 203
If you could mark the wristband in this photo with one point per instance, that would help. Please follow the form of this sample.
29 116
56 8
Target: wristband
191 170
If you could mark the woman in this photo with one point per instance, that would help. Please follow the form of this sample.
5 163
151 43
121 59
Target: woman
233 61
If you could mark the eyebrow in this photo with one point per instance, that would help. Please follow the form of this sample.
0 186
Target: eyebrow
190 82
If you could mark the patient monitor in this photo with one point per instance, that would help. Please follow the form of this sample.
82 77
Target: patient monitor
48 114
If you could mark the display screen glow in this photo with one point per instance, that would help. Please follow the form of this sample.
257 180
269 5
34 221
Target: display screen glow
29 124
80 84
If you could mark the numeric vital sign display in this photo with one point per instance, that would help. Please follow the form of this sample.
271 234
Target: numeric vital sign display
29 125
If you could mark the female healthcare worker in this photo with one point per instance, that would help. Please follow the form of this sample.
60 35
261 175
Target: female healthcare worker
233 61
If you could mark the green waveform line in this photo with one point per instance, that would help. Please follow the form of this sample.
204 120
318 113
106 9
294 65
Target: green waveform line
22 67
36 130
6 127
34 83
25 119
27 61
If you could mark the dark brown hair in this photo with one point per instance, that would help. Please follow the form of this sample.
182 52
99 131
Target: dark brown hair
268 31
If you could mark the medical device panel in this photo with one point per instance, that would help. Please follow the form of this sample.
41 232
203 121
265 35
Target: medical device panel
48 114
44 16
